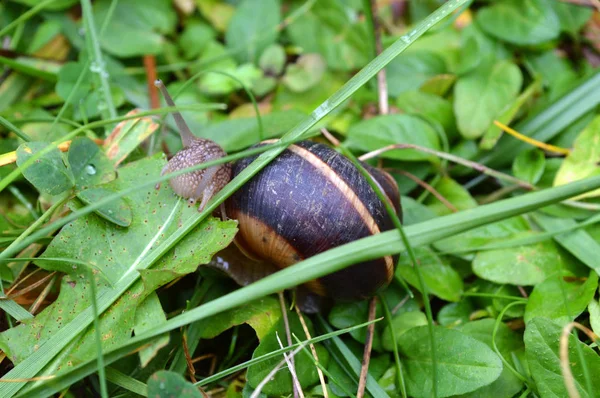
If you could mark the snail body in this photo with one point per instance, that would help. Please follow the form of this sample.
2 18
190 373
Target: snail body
199 184
306 201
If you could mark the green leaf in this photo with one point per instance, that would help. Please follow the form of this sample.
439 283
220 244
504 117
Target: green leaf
89 164
305 73
117 212
584 159
414 212
400 324
247 27
455 314
482 95
148 315
142 24
572 17
68 76
381 131
116 252
529 165
262 315
411 70
430 105
509 343
594 310
521 22
559 300
522 265
281 383
48 174
454 193
272 60
195 37
477 237
542 338
464 364
166 384
577 242
440 278
328 29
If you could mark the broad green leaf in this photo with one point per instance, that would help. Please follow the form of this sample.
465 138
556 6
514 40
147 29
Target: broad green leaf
572 17
577 242
584 159
439 84
115 252
237 134
509 343
455 314
67 76
305 102
529 165
561 300
328 29
493 133
166 384
411 70
594 310
482 95
142 24
542 338
117 212
454 193
89 164
281 383
148 315
381 131
305 73
262 315
127 135
440 278
430 105
521 22
272 60
489 233
400 324
414 212
464 364
522 265
55 5
195 37
48 174
251 26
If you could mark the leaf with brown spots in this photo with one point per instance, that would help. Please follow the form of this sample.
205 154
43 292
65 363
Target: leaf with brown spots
115 251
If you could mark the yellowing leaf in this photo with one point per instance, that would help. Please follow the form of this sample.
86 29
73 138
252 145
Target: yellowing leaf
584 159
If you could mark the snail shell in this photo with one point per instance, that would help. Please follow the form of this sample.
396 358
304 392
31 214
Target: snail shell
308 200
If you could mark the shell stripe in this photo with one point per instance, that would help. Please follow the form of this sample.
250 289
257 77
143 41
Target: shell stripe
350 195
276 244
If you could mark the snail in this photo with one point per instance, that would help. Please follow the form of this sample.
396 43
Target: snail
307 200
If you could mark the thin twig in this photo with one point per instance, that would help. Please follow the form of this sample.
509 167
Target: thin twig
425 186
292 369
268 377
28 288
150 65
40 299
564 356
456 159
364 370
314 352
188 357
382 90
334 141
288 334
